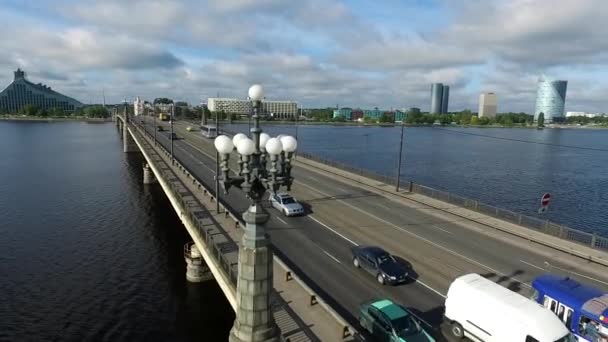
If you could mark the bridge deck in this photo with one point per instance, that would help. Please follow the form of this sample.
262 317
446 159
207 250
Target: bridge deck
215 234
438 245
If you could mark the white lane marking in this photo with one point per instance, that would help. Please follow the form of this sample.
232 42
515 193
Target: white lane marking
356 244
280 219
443 230
394 226
331 256
335 232
529 264
578 274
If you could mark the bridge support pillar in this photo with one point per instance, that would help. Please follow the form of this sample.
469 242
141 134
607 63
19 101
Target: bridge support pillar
196 269
254 319
148 175
128 143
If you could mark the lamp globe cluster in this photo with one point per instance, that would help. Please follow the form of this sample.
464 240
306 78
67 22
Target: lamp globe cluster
245 146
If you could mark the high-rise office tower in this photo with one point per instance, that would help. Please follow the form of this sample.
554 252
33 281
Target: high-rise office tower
550 98
487 105
436 97
445 98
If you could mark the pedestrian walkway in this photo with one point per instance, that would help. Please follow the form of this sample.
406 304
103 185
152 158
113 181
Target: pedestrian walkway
573 248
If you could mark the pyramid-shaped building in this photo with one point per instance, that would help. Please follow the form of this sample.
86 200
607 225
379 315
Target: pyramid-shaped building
22 92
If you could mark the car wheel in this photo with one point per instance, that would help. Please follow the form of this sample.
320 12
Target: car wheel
356 262
380 278
457 330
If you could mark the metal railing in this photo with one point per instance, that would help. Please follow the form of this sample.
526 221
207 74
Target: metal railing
545 226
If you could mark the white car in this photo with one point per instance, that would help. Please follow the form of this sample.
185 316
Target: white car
286 204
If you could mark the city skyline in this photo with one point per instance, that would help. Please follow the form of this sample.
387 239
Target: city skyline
181 50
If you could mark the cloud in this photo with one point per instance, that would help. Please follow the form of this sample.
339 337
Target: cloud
317 52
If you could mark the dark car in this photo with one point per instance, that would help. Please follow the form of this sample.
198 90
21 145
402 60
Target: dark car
172 136
160 128
380 263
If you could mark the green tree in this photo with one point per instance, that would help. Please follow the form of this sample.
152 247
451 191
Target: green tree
96 111
445 119
541 120
484 120
368 119
474 120
339 118
386 118
29 110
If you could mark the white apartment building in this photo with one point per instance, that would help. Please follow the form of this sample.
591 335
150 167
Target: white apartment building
276 109
589 115
138 106
487 105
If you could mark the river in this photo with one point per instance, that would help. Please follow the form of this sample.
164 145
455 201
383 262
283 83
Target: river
506 167
88 252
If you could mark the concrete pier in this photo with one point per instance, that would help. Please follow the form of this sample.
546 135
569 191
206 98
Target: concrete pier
196 269
148 175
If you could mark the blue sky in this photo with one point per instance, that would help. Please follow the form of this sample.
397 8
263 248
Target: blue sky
318 52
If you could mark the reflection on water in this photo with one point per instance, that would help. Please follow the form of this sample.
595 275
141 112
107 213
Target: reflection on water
88 251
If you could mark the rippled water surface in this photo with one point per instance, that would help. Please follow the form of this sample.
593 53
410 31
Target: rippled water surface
88 252
509 168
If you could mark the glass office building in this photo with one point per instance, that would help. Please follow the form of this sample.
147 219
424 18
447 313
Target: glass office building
440 96
550 98
22 92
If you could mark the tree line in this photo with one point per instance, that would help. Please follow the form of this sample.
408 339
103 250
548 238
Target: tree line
96 111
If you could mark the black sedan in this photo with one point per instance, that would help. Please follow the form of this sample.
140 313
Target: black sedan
379 263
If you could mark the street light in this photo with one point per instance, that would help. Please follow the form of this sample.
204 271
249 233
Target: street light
254 320
400 154
171 122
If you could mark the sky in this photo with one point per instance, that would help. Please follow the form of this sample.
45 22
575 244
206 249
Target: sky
319 53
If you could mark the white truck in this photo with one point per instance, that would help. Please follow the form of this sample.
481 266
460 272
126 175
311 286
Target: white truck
482 310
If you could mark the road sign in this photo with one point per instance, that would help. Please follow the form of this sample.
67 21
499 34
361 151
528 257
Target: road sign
544 203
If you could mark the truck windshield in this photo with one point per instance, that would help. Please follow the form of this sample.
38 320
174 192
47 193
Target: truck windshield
567 338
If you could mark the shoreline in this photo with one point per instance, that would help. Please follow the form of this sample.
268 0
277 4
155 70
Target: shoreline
26 118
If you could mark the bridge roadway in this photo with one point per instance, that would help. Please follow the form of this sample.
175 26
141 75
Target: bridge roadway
438 246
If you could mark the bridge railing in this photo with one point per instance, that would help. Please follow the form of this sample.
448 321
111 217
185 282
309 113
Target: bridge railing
206 228
545 226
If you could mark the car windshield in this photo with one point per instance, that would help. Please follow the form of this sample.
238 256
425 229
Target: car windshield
406 326
288 200
385 259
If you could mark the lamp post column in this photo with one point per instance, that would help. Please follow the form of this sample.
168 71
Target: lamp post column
254 319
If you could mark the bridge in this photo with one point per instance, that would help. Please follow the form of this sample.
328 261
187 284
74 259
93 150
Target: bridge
440 241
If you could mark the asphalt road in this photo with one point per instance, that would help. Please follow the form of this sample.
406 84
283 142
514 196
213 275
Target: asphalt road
438 247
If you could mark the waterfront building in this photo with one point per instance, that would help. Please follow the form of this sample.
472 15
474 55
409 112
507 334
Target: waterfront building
345 112
375 113
550 98
276 109
356 115
487 105
400 115
436 96
440 96
445 98
414 111
138 107
21 92
585 114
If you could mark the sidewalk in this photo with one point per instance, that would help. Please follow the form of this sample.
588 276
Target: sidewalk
579 250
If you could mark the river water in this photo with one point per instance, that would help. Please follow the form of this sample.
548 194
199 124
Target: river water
509 168
88 253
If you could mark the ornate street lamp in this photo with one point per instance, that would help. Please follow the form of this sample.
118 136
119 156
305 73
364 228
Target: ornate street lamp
254 320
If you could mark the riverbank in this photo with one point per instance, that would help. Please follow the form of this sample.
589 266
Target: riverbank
52 119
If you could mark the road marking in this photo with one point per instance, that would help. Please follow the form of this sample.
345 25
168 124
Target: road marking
280 219
335 232
394 226
529 264
443 230
356 244
578 274
331 256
